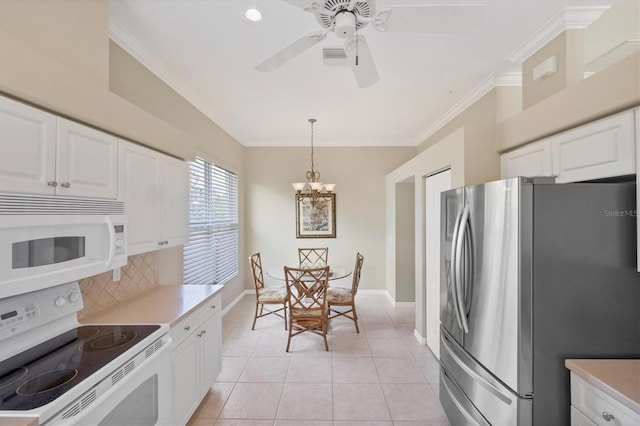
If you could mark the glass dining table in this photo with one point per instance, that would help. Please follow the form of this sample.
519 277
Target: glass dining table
335 272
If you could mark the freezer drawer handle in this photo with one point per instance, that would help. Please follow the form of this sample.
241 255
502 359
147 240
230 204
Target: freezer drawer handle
607 416
457 403
483 381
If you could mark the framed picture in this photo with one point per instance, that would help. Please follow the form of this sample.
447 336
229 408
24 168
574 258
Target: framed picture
316 218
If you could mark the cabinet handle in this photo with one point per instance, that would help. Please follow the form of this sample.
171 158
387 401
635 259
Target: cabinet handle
607 416
65 185
52 183
213 306
187 328
204 331
200 334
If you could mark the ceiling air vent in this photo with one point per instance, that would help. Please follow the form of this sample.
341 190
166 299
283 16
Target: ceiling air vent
333 56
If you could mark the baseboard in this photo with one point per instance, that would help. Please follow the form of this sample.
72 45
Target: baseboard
398 304
235 301
419 338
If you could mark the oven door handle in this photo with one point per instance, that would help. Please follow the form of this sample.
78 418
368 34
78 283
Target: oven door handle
112 241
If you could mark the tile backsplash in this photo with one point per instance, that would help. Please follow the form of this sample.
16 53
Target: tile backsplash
100 291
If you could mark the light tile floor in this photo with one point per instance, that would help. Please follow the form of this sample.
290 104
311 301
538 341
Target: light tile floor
380 377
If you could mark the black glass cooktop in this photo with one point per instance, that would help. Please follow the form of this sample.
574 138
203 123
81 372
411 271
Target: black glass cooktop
41 374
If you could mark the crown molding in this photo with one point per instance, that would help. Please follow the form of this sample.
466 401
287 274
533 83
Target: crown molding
484 87
123 38
569 18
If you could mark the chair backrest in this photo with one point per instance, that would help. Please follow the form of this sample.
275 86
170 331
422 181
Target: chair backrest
313 257
307 288
256 268
357 269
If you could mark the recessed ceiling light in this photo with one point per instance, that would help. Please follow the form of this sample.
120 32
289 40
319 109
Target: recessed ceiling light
253 14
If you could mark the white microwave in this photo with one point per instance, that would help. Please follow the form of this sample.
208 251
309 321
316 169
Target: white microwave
47 241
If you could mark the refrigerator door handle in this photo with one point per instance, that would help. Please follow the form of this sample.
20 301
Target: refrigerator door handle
454 270
478 377
459 245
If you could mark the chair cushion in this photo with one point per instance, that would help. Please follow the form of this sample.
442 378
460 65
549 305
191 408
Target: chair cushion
339 295
307 313
272 295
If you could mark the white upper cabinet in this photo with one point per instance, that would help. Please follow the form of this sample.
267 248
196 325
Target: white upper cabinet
46 155
87 161
27 149
156 190
533 159
604 148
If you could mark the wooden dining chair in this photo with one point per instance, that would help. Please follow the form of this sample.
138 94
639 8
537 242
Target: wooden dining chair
313 257
308 311
344 296
266 295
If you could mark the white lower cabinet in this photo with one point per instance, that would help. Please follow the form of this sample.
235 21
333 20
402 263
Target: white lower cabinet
156 190
592 406
196 357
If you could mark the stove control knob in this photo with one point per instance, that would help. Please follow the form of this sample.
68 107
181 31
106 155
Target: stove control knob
73 297
60 301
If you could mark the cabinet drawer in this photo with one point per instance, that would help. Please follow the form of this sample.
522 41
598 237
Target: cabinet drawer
597 406
209 308
184 328
579 419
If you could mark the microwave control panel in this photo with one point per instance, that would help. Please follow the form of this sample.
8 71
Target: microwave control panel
121 239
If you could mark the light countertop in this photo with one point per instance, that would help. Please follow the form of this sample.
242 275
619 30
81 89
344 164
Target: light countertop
19 421
164 304
619 378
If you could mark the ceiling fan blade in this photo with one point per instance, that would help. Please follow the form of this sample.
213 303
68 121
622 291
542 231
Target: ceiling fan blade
291 51
361 61
442 19
306 5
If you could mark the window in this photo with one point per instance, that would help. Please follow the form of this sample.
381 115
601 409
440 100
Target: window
211 255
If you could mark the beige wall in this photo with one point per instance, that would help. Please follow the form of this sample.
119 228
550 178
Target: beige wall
611 90
568 50
75 33
359 175
135 83
616 27
449 153
405 242
56 57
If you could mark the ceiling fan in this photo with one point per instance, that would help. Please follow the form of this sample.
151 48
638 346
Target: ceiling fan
346 17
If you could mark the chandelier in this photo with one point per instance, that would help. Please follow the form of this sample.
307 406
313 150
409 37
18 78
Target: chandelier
312 187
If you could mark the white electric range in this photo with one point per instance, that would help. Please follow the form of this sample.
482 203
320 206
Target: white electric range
63 373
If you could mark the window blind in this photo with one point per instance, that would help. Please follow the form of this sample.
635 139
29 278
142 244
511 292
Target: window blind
211 255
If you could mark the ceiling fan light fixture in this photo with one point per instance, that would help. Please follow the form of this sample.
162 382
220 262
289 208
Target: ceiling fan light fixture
253 14
345 24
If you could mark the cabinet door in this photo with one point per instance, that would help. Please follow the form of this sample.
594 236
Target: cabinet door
598 150
87 162
174 184
186 395
139 189
533 159
27 149
210 334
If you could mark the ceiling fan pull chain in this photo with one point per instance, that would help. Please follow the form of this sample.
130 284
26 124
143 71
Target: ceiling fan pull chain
356 45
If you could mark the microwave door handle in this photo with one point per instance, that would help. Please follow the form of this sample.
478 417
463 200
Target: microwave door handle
464 220
112 241
454 271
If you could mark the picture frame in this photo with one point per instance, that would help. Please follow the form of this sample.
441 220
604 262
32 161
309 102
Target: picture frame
316 218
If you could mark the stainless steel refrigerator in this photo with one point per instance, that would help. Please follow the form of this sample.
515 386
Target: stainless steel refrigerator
532 273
